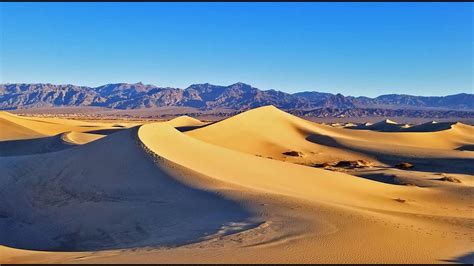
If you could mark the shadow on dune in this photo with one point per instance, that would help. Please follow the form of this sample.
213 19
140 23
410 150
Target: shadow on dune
105 131
426 127
395 180
108 194
384 178
34 146
465 259
188 128
430 127
466 148
445 165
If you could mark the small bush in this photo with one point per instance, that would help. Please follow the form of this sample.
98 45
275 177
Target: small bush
293 153
353 164
322 165
404 165
450 179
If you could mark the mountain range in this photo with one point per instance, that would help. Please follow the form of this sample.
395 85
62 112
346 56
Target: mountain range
238 96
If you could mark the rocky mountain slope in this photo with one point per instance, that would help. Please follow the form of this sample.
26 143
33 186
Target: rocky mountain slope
239 96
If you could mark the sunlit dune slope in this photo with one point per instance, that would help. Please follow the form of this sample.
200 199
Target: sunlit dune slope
270 132
184 121
269 175
19 127
11 130
80 137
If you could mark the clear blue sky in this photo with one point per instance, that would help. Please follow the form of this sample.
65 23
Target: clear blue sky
352 48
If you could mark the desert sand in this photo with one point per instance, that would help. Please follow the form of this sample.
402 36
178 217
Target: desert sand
263 186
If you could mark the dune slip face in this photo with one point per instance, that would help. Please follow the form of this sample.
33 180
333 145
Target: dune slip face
262 186
109 194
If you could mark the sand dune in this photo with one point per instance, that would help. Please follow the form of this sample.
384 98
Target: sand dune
388 125
34 146
46 144
184 121
433 126
269 132
240 190
11 130
25 135
226 165
80 138
272 175
18 127
106 194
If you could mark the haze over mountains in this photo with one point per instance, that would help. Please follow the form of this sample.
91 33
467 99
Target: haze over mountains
238 96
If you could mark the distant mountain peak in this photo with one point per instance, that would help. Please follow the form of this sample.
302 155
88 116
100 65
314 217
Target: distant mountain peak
240 85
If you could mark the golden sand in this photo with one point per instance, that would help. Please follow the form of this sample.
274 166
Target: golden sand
241 190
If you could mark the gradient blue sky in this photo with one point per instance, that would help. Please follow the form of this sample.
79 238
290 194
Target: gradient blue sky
352 48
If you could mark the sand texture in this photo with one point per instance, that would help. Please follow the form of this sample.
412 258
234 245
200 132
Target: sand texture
263 186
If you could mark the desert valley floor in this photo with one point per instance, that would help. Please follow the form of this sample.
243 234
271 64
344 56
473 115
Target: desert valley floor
263 186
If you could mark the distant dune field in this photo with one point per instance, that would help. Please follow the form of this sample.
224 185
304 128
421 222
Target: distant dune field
262 186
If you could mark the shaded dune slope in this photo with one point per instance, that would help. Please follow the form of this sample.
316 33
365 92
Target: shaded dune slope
392 126
386 125
109 193
433 151
46 144
433 126
33 146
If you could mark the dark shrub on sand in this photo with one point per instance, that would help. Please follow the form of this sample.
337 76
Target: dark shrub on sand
293 153
404 165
